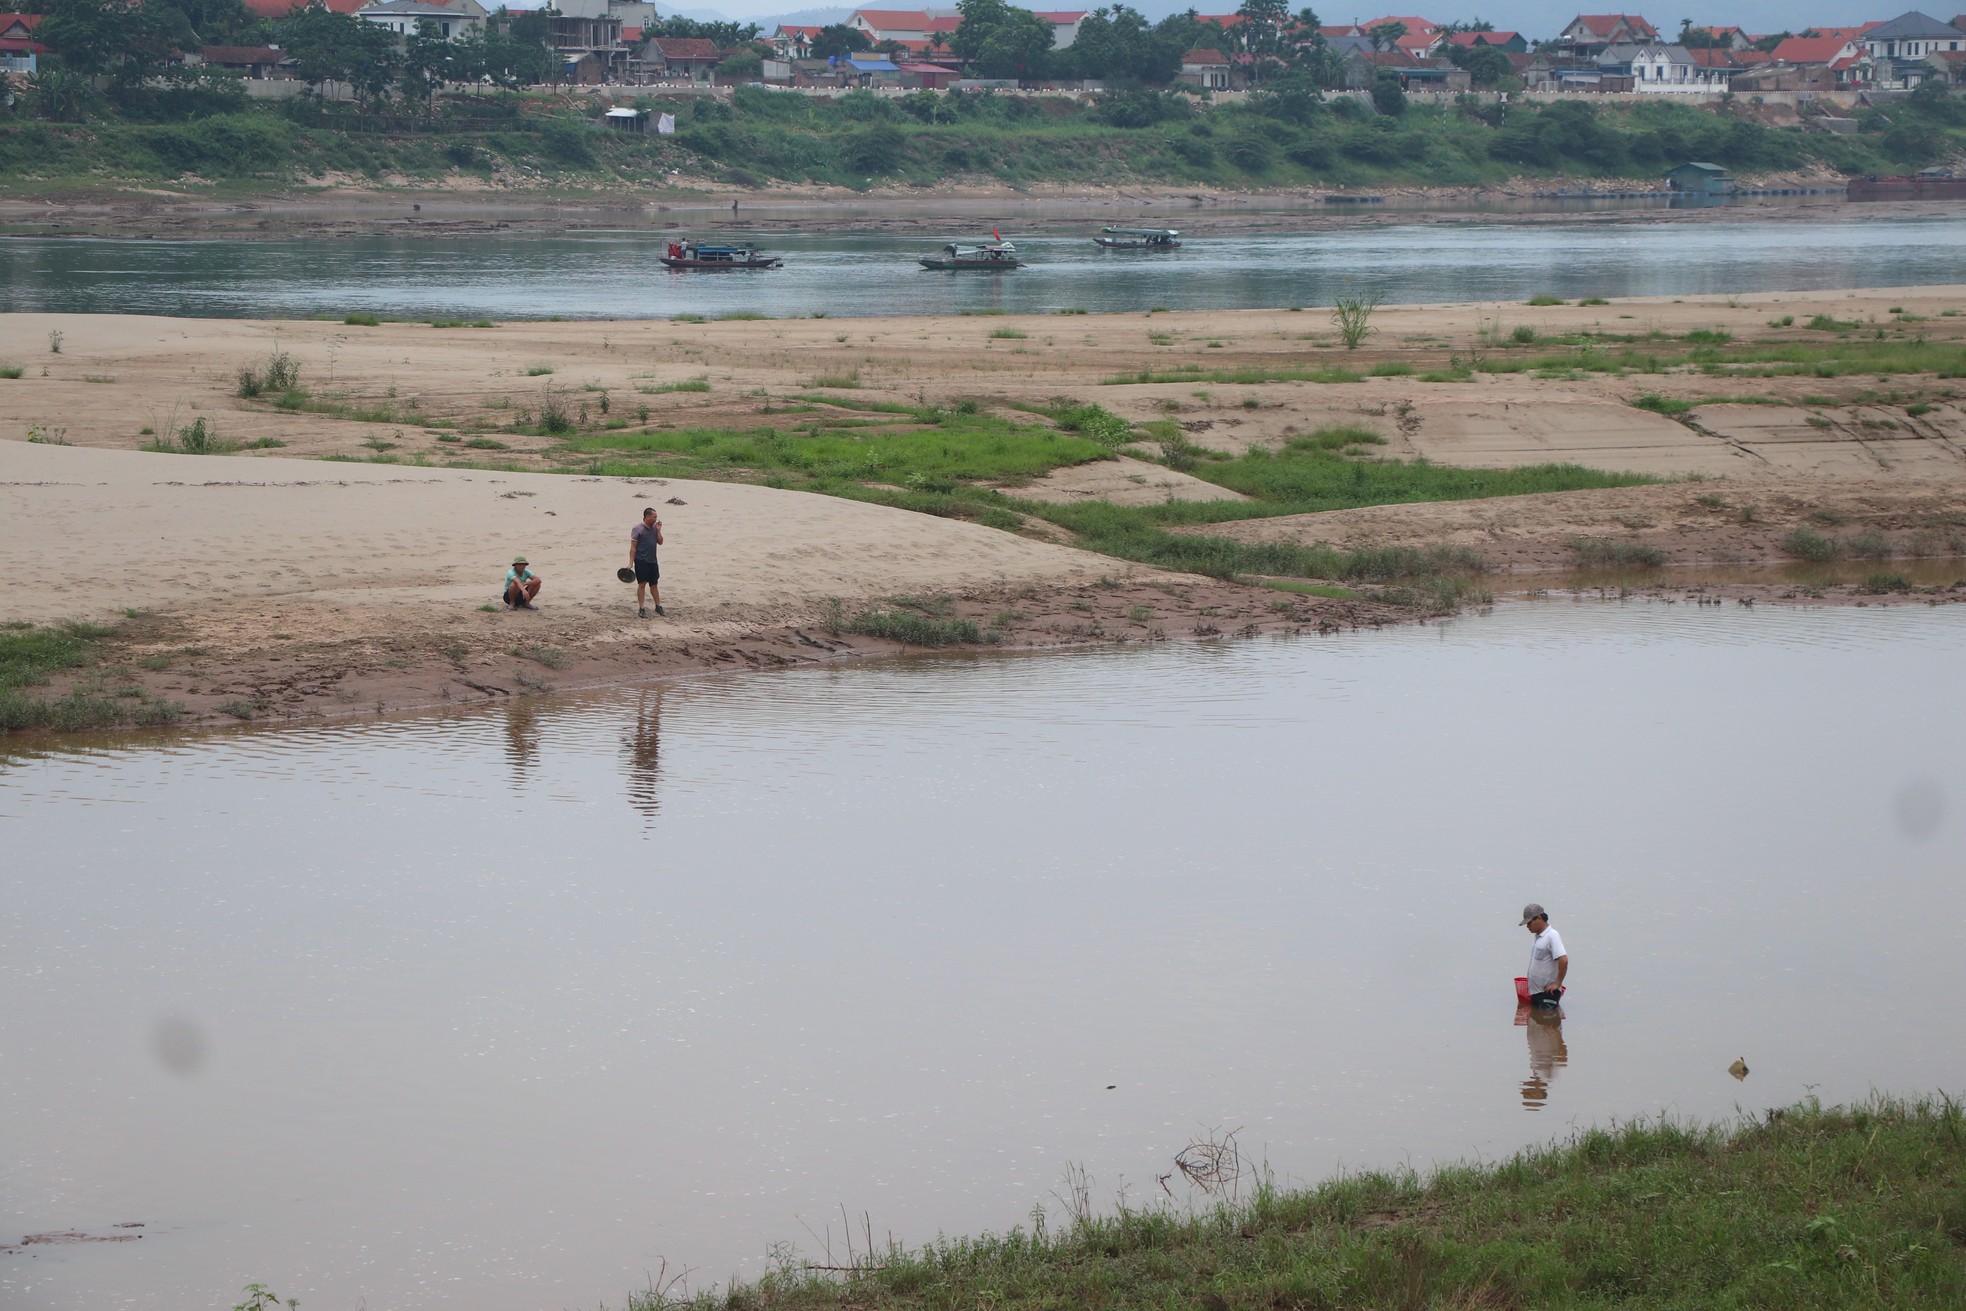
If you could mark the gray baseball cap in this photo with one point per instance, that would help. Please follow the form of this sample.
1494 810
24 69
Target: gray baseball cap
1531 911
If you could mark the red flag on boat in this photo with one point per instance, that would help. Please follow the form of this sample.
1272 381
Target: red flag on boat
996 235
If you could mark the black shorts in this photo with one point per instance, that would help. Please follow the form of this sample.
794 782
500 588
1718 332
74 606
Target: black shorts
647 571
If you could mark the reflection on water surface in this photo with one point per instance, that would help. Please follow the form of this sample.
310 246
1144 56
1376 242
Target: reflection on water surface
500 1009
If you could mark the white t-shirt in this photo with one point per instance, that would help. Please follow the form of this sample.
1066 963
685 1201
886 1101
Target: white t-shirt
1542 960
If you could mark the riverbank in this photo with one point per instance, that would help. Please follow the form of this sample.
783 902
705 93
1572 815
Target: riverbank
1809 1206
351 207
1005 482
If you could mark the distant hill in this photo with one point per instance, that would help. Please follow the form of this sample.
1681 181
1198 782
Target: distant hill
802 17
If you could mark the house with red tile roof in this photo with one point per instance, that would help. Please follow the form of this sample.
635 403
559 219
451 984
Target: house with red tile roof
1814 50
1208 69
1730 38
692 57
1593 34
19 51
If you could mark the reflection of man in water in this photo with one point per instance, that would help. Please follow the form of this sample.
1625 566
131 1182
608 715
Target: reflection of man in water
521 736
643 751
1547 1054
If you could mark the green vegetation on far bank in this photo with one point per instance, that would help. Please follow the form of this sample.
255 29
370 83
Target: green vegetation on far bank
1293 136
1858 1207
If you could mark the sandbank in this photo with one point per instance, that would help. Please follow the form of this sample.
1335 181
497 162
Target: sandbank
306 586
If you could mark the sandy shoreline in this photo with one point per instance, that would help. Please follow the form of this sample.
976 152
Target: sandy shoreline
164 212
273 581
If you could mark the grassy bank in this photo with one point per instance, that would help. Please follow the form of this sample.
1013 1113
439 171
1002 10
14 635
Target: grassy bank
861 140
939 462
1809 1207
98 695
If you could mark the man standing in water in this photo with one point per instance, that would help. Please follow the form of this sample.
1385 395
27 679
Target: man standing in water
643 538
1548 962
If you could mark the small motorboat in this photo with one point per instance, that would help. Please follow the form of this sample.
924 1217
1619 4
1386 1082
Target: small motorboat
701 255
992 256
1138 239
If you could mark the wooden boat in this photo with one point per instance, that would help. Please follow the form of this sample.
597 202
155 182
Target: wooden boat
697 255
991 256
1926 184
1138 238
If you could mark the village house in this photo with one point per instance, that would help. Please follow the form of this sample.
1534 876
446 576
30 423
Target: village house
1842 59
1512 43
1729 38
1658 69
450 19
257 63
1422 36
1900 50
681 58
1206 68
794 40
1414 72
927 77
920 30
19 51
1590 35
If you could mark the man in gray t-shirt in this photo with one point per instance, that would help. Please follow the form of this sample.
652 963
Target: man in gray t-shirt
643 538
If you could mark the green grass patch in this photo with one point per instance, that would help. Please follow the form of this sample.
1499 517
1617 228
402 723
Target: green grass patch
963 448
1863 1206
1602 553
32 655
361 320
742 316
1544 298
1805 543
688 384
1827 323
915 621
1008 334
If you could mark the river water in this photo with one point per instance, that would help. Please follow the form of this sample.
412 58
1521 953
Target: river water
502 1009
614 274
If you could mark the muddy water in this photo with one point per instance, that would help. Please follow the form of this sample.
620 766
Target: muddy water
502 1010
844 274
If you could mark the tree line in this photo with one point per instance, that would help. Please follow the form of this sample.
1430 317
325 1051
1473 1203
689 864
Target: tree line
134 53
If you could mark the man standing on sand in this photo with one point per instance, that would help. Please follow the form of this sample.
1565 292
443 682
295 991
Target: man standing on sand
1548 962
521 585
643 538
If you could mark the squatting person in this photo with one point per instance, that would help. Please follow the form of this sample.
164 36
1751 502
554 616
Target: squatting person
643 538
521 585
1548 962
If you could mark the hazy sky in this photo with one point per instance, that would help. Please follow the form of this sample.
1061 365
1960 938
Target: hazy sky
1529 17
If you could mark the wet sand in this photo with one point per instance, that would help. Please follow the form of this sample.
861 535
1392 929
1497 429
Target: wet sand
297 587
